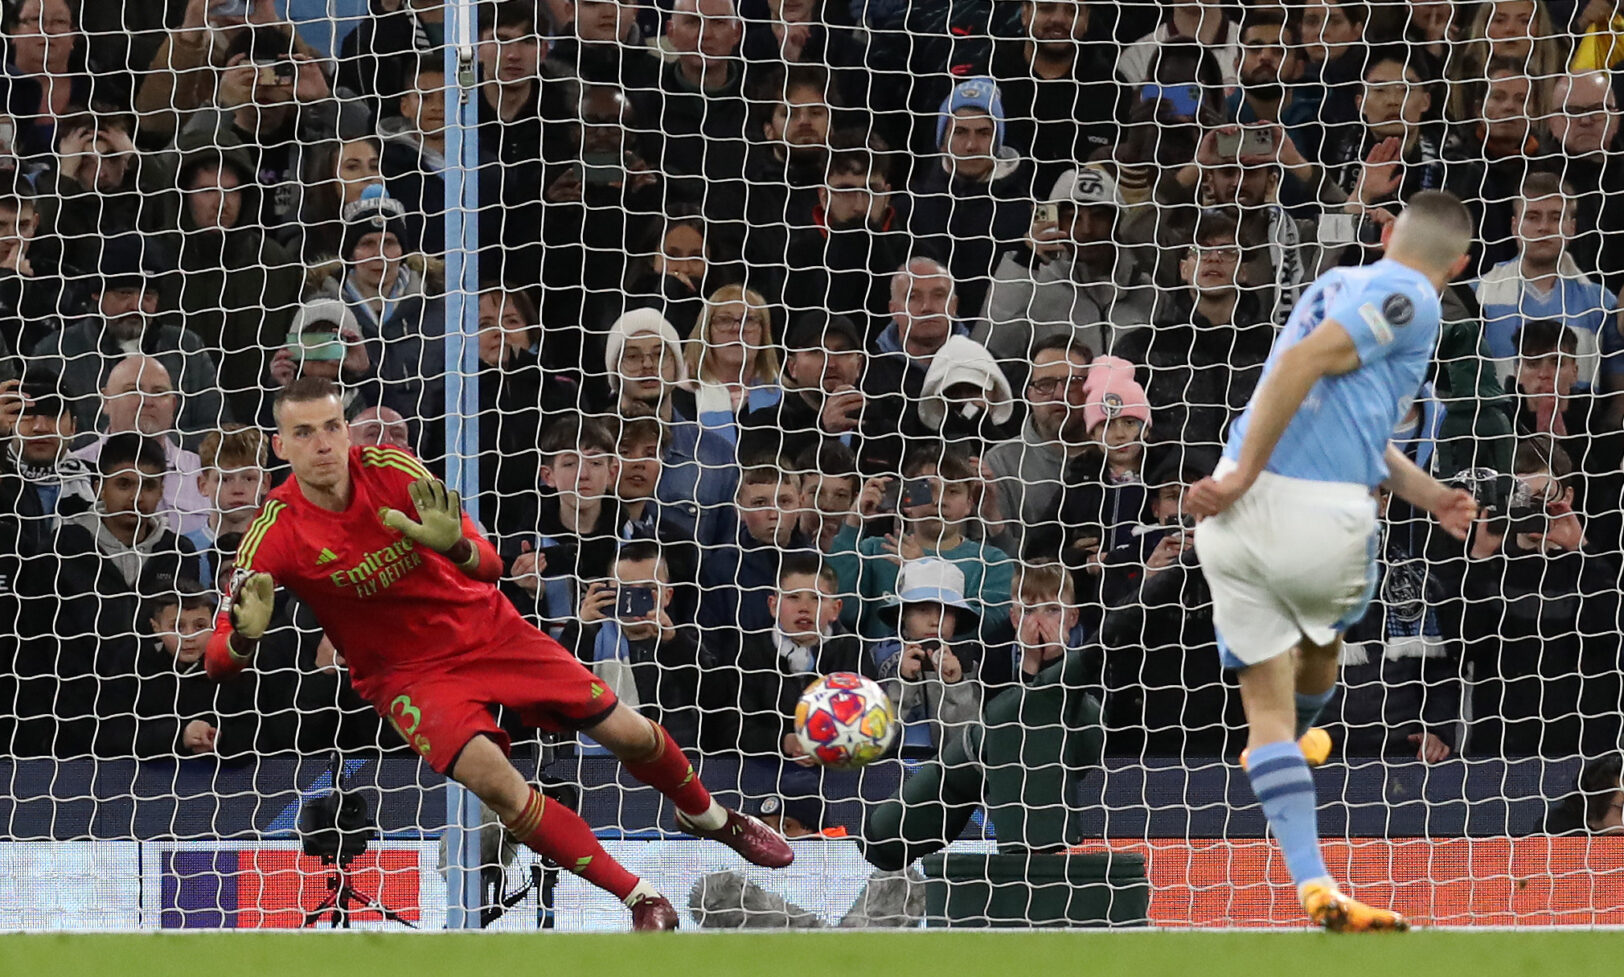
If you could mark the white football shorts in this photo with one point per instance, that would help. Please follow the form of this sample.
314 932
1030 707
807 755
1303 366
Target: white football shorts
1290 559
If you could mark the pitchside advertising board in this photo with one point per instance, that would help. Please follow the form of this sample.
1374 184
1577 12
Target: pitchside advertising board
112 885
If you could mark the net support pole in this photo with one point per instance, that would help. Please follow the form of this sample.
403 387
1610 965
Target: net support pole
463 895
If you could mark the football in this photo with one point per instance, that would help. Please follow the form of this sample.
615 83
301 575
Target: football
845 720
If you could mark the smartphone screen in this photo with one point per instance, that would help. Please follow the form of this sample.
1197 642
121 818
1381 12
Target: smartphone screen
918 491
633 603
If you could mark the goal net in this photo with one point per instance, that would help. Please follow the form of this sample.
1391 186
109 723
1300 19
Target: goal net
767 339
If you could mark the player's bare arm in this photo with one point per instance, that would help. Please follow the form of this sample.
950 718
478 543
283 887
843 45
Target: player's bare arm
1327 351
1454 508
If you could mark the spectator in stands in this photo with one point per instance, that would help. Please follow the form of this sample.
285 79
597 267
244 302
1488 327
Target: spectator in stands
47 73
174 709
732 361
1052 78
413 163
180 78
1026 472
737 577
33 293
139 398
830 487
1545 679
1393 108
1518 33
703 110
819 399
1165 691
102 186
274 100
804 643
605 46
237 287
631 640
376 59
1499 136
126 321
380 425
641 444
234 480
1199 20
515 395
844 260
40 482
575 530
397 296
679 273
1070 278
785 165
1203 357
336 173
79 676
974 201
928 655
1336 34
924 307
1584 123
1544 282
1104 495
966 401
1272 88
1551 401
1400 689
797 32
937 504
1045 622
325 340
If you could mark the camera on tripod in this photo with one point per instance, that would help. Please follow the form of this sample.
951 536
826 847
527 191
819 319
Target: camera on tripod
336 828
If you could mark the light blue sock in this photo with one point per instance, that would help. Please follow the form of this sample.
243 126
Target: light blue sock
1308 708
1281 781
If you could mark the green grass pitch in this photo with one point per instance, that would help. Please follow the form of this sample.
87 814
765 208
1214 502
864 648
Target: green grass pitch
930 954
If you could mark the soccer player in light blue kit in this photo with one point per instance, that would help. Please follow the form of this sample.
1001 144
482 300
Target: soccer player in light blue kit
1287 537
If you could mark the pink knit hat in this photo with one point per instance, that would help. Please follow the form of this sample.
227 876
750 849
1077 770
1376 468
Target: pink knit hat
1111 391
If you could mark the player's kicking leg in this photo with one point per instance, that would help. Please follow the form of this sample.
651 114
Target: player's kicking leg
652 756
553 830
1282 695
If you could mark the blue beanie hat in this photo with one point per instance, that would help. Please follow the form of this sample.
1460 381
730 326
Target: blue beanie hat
974 93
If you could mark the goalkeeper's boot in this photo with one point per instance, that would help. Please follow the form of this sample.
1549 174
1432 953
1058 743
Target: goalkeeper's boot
759 844
1333 911
1315 744
653 914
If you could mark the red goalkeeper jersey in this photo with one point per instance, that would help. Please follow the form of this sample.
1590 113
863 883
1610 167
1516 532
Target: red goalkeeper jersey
395 610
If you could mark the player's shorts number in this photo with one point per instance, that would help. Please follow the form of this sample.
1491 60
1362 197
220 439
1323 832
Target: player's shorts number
406 718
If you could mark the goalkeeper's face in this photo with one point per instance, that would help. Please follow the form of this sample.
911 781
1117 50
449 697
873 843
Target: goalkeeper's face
312 437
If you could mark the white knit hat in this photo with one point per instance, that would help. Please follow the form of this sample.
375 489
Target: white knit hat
641 322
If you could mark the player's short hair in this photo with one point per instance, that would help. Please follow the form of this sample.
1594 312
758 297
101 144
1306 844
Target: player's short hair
304 390
951 464
578 434
236 447
808 563
1435 227
1035 582
1545 337
129 449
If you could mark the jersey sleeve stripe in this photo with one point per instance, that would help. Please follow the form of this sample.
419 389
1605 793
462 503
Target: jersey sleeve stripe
381 457
256 533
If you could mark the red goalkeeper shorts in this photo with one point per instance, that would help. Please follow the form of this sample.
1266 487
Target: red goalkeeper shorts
523 670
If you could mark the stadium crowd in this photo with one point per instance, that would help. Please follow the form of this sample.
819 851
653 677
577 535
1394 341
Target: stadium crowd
813 336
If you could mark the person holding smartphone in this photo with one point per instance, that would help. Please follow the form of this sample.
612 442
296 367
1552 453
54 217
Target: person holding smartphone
631 642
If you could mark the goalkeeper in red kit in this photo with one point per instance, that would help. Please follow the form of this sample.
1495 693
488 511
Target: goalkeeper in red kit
404 586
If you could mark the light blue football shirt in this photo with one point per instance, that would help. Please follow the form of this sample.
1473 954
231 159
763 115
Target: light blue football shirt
1340 432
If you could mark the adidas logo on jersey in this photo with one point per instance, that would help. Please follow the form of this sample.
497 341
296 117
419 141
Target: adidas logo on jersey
327 556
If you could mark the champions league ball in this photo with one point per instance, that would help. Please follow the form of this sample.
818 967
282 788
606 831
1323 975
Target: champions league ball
845 720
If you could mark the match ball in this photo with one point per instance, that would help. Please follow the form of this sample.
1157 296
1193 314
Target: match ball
845 720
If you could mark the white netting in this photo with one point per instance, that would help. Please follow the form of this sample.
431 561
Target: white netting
737 285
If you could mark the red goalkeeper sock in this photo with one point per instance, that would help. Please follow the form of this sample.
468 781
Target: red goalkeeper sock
552 829
670 773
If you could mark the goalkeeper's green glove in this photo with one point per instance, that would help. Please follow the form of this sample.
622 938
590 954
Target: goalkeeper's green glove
439 513
251 607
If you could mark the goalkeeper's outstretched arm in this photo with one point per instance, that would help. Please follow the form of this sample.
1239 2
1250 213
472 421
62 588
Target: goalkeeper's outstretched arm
240 626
